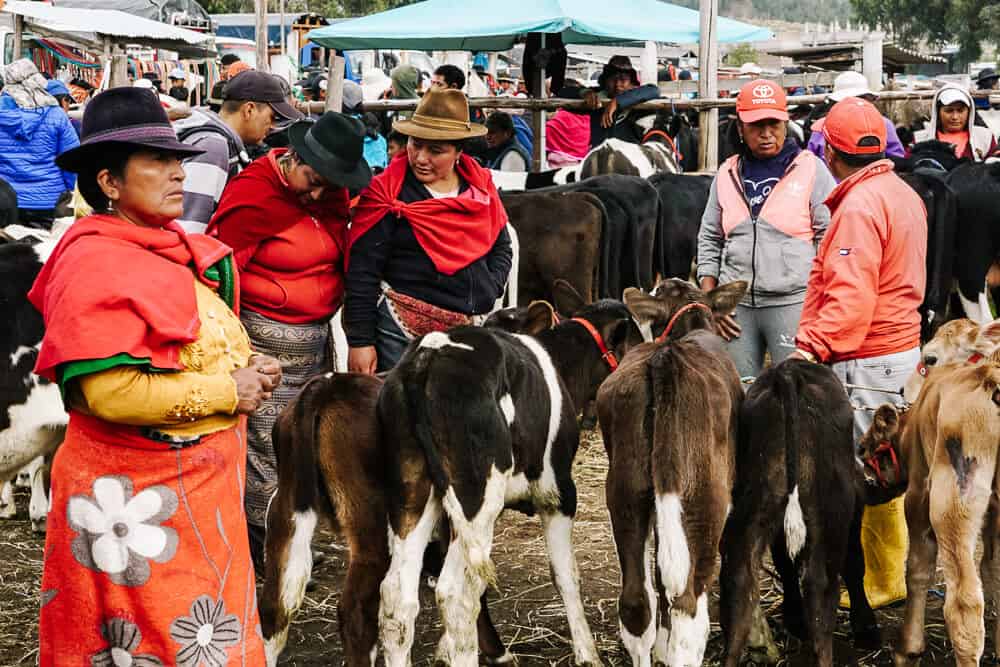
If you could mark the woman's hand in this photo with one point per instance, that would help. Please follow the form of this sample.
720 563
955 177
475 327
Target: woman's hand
362 360
268 366
727 327
608 119
252 388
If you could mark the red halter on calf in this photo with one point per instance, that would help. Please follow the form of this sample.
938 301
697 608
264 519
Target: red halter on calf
609 357
673 320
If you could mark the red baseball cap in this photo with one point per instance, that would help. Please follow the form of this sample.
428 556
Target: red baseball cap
855 127
761 99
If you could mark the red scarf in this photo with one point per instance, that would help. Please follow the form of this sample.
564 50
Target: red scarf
262 206
111 287
453 231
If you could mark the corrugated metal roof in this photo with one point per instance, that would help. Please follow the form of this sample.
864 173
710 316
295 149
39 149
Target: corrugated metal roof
106 23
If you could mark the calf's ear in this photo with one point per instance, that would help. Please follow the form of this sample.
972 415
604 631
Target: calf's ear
724 298
567 300
644 308
885 423
540 317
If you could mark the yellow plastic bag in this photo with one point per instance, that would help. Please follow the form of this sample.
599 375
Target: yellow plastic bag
885 543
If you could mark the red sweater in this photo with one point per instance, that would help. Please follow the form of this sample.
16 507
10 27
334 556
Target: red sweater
290 255
868 277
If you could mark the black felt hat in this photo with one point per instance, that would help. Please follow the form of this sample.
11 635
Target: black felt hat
334 147
126 115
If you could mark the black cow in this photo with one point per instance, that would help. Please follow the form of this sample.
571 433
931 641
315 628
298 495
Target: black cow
683 198
476 420
800 489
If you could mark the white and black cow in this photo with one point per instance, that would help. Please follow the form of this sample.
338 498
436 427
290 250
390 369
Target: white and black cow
613 156
32 418
475 421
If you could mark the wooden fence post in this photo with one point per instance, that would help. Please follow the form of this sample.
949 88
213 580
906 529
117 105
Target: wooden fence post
335 83
708 68
260 33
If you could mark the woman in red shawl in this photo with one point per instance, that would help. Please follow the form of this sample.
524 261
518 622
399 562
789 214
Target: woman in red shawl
285 217
429 248
146 554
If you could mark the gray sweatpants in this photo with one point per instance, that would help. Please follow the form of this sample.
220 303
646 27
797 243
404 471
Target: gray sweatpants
766 329
888 372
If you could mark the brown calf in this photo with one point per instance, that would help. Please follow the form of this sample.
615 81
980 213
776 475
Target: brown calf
668 417
950 447
329 466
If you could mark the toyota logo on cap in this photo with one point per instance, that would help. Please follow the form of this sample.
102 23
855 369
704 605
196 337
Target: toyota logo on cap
763 90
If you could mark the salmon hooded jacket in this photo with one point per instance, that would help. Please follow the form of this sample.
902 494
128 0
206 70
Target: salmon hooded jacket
868 279
774 250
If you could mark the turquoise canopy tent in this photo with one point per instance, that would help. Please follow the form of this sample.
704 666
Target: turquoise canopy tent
478 25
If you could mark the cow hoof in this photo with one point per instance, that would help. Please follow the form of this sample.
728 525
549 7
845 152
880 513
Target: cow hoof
906 659
761 655
868 638
38 526
506 659
8 511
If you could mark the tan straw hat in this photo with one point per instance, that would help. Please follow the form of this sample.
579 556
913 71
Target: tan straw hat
442 115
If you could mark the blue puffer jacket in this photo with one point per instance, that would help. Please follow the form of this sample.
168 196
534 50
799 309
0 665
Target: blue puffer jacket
30 140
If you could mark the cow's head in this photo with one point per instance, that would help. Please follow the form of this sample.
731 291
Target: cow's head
880 451
671 307
532 319
956 342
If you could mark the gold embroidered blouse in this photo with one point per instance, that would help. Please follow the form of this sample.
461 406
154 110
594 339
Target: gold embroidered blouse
197 401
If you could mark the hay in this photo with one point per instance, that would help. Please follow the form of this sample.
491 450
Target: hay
526 607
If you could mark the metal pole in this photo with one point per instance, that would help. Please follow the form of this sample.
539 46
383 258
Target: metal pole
708 71
18 36
260 7
284 45
538 120
335 83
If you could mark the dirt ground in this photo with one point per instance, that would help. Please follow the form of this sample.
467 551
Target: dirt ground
526 609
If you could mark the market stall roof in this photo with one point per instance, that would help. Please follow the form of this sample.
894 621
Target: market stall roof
843 55
480 25
90 27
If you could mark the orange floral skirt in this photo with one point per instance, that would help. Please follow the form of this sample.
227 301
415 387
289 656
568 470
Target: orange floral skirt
146 558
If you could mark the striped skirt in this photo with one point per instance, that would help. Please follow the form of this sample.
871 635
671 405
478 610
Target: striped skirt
302 351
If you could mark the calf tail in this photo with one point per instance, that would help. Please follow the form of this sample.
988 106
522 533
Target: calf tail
795 526
673 554
291 516
415 387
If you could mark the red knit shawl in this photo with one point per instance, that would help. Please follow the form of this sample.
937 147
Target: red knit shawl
258 205
111 287
453 231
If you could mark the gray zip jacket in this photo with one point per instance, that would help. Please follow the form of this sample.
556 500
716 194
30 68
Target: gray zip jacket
774 259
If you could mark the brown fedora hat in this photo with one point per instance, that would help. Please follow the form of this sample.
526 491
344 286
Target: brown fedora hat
442 115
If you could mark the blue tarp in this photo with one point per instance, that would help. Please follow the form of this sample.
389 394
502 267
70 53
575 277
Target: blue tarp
481 25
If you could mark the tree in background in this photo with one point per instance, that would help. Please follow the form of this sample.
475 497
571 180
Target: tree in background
328 8
970 23
743 53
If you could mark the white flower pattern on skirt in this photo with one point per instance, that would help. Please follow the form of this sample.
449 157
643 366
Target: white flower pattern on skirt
119 533
123 639
205 635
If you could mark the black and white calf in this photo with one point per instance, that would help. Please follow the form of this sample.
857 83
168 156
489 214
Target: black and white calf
475 421
799 490
32 418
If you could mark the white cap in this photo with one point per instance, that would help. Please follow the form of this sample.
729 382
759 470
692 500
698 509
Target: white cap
177 73
750 68
143 83
951 94
850 84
